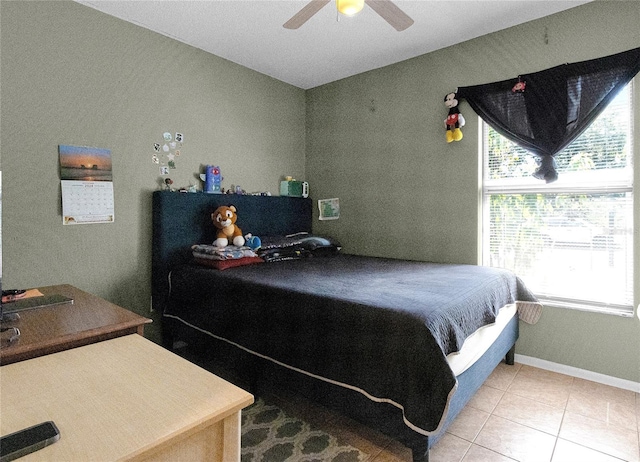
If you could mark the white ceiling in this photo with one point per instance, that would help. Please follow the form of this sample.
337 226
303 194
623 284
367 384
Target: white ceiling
250 32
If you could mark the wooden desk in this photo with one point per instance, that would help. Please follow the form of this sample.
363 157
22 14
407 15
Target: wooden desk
124 399
49 329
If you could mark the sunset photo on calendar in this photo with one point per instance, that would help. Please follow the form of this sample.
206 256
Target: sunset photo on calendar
85 163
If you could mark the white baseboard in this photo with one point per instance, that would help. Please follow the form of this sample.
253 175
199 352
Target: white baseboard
580 373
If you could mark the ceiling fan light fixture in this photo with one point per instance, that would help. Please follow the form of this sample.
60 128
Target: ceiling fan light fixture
386 9
349 7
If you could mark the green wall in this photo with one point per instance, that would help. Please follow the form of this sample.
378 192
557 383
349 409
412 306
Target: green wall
377 141
72 75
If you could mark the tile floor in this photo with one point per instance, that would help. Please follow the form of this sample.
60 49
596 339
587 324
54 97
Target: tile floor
521 414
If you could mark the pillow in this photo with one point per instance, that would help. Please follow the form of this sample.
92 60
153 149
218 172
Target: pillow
281 254
304 241
225 264
296 246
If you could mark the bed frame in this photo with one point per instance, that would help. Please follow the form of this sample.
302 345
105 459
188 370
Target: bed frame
183 219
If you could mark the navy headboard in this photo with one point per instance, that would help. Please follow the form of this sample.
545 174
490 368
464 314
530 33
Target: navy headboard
183 219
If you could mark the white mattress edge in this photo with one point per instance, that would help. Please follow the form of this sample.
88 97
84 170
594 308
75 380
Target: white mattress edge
479 342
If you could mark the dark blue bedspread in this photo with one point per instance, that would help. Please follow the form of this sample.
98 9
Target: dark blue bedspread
380 326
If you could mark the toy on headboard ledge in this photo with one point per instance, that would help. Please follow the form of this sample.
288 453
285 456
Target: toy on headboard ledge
224 218
454 120
212 179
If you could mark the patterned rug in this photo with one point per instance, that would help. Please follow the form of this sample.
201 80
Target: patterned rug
269 435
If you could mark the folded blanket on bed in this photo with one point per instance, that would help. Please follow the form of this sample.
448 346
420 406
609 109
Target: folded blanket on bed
230 252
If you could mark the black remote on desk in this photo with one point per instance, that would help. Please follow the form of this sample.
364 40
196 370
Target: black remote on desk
28 440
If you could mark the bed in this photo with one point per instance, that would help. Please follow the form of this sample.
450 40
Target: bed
399 345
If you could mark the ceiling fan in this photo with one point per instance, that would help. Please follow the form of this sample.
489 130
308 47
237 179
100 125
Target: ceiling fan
385 8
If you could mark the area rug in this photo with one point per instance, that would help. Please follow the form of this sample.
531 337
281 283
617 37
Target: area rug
270 435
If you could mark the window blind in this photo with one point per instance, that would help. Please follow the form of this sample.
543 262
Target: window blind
570 241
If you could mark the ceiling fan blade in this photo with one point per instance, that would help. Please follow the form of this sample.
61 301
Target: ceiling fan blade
305 14
391 13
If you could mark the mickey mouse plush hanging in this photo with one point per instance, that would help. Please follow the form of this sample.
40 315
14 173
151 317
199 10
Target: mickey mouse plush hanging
454 120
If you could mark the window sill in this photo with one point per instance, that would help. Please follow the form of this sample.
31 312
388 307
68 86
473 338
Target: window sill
625 311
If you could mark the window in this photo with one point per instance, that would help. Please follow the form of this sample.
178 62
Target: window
570 241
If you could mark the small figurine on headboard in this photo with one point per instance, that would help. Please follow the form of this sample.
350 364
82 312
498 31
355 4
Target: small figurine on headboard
224 218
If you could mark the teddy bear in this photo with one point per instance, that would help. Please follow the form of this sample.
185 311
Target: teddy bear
224 218
454 120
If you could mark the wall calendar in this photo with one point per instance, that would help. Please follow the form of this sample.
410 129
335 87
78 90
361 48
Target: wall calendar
87 185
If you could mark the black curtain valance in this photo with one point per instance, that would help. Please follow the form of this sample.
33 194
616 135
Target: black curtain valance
545 111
